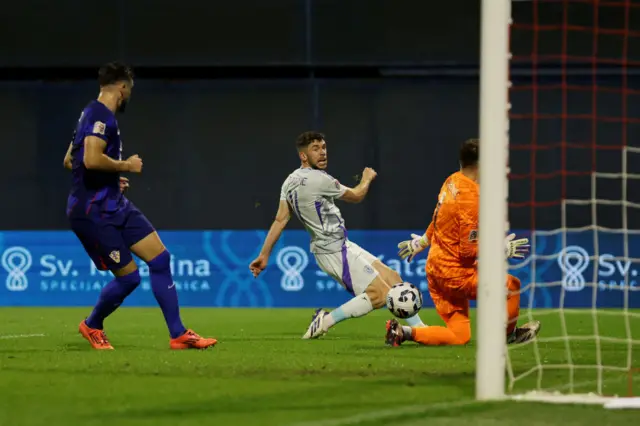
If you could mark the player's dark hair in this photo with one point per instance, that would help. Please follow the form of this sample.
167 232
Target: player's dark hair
114 72
469 153
307 138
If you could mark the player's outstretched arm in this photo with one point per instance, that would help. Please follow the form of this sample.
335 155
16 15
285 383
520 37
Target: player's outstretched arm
357 194
278 225
95 158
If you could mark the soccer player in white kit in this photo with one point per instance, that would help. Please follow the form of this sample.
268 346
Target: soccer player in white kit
310 194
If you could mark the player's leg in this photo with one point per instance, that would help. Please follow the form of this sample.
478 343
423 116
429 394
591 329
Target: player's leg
513 303
383 279
358 306
145 242
153 252
452 305
375 292
111 297
453 310
114 293
527 331
364 276
104 245
390 278
355 273
457 293
468 289
456 332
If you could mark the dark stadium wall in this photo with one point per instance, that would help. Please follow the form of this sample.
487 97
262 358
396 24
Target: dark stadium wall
247 32
163 33
216 153
219 101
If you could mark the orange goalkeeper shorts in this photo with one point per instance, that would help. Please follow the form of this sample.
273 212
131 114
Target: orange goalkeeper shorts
453 294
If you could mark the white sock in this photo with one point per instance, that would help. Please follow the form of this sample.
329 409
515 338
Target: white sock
406 332
356 307
415 321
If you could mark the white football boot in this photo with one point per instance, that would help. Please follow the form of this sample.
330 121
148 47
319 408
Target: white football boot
316 328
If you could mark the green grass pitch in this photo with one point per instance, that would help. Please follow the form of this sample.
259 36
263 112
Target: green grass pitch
262 373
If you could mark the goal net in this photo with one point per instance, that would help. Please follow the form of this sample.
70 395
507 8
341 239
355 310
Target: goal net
574 187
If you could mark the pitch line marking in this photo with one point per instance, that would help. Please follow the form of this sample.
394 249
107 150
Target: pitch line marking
21 336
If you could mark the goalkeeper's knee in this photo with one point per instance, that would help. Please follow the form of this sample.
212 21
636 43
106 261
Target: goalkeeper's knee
513 284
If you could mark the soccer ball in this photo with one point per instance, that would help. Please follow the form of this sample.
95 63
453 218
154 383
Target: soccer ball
404 300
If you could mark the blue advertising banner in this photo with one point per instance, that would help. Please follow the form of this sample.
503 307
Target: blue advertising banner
210 268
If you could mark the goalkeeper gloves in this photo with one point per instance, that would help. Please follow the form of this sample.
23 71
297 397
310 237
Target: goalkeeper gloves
409 248
515 248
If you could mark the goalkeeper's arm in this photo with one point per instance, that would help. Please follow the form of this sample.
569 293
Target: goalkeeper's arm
428 235
424 240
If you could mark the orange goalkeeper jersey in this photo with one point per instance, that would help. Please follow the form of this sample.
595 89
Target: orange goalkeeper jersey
453 231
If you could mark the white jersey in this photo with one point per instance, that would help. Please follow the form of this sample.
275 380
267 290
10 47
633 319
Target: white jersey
310 194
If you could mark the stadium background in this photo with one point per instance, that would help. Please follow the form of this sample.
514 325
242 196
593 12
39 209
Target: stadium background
220 96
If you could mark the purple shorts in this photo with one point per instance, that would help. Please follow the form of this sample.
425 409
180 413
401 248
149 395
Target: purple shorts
108 236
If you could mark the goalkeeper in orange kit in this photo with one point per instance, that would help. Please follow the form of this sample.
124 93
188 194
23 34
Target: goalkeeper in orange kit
452 263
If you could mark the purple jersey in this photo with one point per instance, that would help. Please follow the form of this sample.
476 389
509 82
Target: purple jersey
95 188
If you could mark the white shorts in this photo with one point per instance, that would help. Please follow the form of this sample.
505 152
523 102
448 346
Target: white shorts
352 267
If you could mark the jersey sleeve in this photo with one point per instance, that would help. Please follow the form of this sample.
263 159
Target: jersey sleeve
468 220
436 212
99 125
283 194
430 231
328 186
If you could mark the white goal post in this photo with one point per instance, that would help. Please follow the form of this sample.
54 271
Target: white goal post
492 360
493 214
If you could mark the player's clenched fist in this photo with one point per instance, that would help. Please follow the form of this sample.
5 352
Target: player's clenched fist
124 184
258 265
135 163
369 174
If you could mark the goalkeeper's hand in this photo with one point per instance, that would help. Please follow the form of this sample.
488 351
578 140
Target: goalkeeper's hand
409 248
516 248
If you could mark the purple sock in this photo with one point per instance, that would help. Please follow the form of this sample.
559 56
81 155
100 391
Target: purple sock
111 296
164 289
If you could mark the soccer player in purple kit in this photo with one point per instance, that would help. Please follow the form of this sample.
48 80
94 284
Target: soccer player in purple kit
107 224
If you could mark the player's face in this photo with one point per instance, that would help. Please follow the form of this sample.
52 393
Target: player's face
316 154
125 89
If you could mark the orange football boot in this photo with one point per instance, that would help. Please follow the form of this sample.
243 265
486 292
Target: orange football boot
191 340
97 338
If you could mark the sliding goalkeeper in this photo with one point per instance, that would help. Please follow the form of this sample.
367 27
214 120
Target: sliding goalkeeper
452 263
